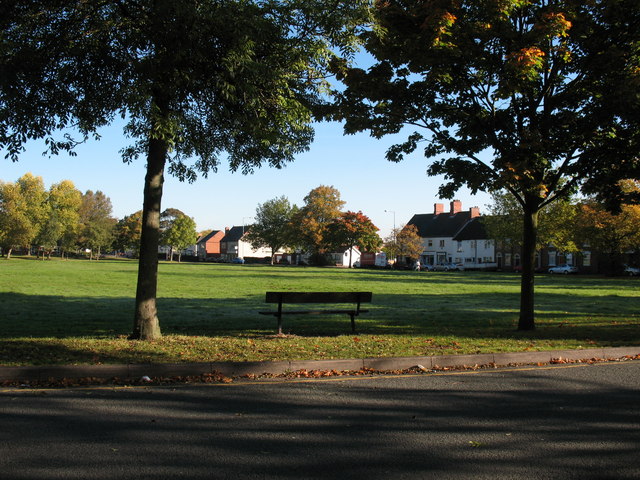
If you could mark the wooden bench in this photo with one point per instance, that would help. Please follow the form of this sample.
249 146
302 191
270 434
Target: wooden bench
282 298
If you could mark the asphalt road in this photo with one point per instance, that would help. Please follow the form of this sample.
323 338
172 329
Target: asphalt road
561 422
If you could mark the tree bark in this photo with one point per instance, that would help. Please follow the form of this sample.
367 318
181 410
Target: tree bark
530 233
146 325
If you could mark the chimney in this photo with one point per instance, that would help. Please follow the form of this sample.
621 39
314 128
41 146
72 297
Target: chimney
438 208
474 211
456 206
226 229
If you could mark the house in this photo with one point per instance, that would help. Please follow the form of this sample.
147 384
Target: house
455 236
234 245
347 258
209 245
473 247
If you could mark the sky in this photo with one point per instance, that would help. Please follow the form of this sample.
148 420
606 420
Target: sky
389 193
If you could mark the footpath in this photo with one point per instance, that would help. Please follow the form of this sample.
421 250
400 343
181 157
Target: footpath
148 372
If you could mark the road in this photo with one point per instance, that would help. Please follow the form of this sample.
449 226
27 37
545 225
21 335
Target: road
561 422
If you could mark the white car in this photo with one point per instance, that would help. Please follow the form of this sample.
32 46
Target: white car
447 267
563 269
631 271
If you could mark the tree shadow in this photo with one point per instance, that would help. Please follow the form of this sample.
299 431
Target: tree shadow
517 425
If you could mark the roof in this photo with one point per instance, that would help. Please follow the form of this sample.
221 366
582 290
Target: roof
208 236
475 229
234 234
439 225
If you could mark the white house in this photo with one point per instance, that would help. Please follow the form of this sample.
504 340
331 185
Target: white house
455 236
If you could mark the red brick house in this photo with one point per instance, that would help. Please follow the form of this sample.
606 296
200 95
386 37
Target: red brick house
209 245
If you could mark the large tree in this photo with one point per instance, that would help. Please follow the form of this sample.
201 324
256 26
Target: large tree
611 234
322 206
195 79
353 229
272 226
167 219
404 242
62 221
181 234
502 94
23 212
128 231
97 226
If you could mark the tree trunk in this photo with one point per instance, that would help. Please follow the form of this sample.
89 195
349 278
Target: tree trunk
146 325
530 233
9 253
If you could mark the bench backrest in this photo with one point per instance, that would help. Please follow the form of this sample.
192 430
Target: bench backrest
318 297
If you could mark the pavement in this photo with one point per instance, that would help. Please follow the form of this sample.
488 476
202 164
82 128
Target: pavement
238 369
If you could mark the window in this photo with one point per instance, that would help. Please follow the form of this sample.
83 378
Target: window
488 244
441 243
586 259
507 259
552 259
430 242
459 246
516 260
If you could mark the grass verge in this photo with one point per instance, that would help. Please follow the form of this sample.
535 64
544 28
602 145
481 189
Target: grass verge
80 312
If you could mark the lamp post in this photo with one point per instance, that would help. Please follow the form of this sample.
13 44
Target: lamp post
395 239
240 240
243 224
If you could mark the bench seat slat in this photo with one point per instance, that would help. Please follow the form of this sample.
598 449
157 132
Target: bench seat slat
313 312
318 297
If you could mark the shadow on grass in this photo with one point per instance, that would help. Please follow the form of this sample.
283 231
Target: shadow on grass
462 315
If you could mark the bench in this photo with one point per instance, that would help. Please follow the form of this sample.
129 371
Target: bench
282 298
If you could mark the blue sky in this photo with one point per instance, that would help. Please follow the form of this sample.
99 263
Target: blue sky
353 164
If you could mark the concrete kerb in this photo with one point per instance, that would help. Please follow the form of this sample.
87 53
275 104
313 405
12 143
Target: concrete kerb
235 369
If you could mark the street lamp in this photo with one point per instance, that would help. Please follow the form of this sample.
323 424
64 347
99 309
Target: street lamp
395 239
243 224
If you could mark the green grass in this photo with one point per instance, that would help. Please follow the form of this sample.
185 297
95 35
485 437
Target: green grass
76 311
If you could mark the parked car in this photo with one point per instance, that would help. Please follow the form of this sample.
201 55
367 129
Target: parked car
238 260
631 271
563 269
446 267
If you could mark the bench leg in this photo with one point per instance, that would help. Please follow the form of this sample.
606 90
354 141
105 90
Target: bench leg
279 317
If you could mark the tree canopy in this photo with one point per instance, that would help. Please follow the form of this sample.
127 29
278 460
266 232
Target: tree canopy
198 82
322 206
272 226
180 234
506 94
353 229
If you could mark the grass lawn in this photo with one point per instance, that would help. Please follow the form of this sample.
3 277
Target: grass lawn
80 312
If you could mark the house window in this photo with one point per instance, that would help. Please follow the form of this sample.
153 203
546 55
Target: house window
507 259
516 260
430 243
586 259
488 244
552 259
459 246
441 243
